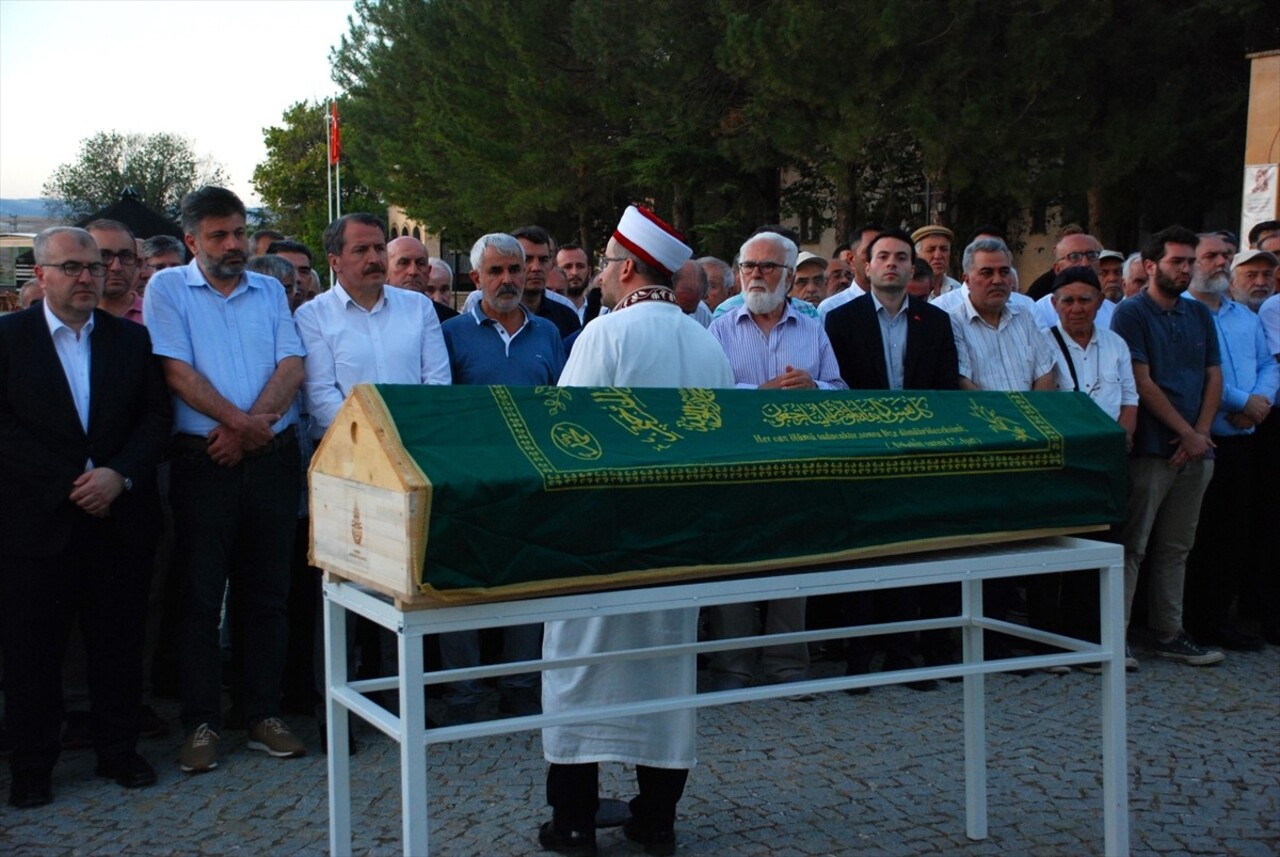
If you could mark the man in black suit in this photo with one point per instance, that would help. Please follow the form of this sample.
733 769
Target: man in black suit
887 340
922 349
84 416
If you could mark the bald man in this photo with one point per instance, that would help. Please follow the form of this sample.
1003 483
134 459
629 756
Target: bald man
409 267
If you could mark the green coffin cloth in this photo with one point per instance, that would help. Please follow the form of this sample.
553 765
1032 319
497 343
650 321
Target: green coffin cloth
539 484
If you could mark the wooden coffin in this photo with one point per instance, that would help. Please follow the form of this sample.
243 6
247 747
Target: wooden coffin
441 495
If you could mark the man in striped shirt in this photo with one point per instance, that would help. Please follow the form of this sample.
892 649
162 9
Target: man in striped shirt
999 345
770 346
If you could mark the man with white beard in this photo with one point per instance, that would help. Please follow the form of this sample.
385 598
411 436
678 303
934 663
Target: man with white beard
770 347
1225 553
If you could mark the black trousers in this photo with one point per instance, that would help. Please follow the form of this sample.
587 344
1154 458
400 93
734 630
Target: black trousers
1225 553
573 791
101 583
234 523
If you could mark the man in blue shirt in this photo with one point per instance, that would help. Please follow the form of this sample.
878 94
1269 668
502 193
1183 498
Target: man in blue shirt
233 361
498 341
1227 550
1176 366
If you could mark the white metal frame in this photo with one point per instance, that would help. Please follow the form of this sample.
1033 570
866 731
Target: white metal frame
967 567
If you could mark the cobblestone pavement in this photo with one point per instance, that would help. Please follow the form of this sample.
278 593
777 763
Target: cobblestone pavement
880 774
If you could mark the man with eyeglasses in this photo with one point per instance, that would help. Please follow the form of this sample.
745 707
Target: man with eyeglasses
770 347
1177 367
645 341
1074 251
120 255
810 283
81 512
1074 247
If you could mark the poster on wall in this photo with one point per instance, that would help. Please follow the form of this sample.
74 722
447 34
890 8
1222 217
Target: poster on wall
1259 200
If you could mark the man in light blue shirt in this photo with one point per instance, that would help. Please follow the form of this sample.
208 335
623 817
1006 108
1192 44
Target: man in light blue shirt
233 361
769 346
1226 559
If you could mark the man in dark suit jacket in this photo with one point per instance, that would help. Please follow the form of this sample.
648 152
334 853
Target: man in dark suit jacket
84 417
886 340
929 361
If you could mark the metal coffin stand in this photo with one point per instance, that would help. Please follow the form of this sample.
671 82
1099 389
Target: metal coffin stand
967 567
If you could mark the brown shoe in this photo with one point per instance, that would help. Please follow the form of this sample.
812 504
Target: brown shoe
271 735
200 751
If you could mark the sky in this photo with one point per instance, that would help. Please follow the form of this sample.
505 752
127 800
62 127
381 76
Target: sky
215 72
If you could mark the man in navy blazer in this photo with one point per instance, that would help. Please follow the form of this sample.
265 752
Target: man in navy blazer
887 340
925 359
84 418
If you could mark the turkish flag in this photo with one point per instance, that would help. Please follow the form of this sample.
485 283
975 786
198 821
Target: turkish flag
335 142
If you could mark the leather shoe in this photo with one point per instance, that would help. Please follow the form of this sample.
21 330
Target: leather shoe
130 770
29 790
576 843
655 841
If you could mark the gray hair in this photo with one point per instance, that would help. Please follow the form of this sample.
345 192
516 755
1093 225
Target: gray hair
443 264
502 244
40 246
984 245
1127 268
789 250
726 270
273 266
162 245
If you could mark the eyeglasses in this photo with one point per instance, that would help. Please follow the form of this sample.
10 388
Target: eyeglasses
75 269
605 260
127 258
765 268
1081 255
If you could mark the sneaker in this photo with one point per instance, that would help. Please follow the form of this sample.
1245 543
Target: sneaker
200 751
271 735
1183 648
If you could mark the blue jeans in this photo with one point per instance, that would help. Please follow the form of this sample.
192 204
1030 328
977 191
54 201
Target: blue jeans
234 524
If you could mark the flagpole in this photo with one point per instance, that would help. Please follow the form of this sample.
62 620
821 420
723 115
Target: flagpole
328 160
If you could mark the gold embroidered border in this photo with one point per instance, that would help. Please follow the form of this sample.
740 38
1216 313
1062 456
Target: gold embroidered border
907 465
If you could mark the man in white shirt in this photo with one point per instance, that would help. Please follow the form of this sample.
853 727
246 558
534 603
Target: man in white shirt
1090 359
645 341
360 331
999 345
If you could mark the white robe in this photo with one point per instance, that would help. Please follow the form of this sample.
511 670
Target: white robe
649 344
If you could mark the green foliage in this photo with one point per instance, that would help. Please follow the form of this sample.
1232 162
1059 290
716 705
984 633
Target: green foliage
161 168
292 180
478 115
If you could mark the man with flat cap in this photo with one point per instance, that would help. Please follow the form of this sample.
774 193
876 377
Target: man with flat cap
646 340
933 244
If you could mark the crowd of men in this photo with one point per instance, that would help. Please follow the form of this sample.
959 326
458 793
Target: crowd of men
135 377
